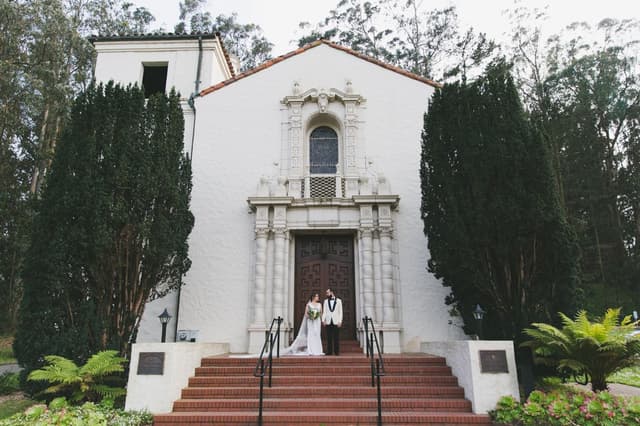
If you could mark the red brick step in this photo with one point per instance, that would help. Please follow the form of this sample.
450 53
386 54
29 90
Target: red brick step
417 389
308 417
286 404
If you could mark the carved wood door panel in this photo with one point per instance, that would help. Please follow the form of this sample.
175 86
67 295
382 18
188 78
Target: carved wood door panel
324 261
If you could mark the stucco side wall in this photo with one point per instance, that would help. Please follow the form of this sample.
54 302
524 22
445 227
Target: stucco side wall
239 139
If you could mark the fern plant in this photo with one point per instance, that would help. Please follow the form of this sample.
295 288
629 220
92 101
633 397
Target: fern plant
85 383
596 349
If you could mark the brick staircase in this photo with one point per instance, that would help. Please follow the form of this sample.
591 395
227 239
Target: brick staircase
418 389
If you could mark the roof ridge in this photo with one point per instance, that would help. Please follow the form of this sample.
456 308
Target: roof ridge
278 59
153 35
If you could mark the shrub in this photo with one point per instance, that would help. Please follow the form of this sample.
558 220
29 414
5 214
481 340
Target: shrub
594 349
568 407
86 414
86 383
9 383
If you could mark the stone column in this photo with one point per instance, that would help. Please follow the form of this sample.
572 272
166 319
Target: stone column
367 271
258 324
366 265
390 324
388 299
259 294
280 238
377 277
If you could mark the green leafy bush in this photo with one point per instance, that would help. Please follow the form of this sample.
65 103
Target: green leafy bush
568 407
9 383
86 383
12 406
595 349
59 413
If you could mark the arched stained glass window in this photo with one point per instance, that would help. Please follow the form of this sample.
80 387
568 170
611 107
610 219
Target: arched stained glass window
323 150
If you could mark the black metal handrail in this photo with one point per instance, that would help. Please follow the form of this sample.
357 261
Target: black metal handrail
377 364
270 340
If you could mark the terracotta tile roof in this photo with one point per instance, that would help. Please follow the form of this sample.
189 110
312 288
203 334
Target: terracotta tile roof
226 55
309 46
152 36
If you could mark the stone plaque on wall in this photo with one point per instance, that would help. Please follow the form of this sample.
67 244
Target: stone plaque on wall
493 362
151 363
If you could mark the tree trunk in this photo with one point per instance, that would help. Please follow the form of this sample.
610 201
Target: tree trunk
599 383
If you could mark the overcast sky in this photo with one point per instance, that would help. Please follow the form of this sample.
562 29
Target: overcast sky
279 19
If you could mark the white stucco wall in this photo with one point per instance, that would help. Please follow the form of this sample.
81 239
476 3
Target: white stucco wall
482 389
122 61
239 139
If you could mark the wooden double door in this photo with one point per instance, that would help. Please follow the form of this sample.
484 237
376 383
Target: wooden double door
326 261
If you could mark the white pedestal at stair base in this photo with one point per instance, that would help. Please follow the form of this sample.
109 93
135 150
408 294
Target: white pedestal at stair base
156 393
482 389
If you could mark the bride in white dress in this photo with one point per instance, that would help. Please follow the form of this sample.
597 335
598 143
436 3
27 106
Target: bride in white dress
308 341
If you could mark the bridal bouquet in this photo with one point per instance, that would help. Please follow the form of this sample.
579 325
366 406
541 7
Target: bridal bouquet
314 313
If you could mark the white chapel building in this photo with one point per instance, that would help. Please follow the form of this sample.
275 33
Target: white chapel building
306 175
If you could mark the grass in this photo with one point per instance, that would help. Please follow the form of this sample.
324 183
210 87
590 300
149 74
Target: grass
12 406
629 376
6 350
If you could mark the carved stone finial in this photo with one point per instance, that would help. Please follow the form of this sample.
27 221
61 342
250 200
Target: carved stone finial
383 185
281 189
349 88
296 88
263 187
365 186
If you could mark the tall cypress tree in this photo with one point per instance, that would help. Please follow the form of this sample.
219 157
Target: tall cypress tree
496 233
111 229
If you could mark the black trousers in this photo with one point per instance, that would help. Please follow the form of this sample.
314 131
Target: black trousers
333 339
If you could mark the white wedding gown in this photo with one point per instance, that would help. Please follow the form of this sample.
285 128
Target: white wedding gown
308 341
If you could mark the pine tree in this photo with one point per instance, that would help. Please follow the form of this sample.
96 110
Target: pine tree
496 232
111 229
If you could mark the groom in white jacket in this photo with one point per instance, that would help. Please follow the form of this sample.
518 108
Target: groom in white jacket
332 319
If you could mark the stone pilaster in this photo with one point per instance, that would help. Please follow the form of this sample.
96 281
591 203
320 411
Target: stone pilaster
390 324
388 299
366 262
377 277
279 261
258 323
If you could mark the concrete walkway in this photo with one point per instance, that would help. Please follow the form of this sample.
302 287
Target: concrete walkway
614 388
9 368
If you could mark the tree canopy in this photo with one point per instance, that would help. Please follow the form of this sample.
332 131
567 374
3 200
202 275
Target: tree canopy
45 60
111 228
496 232
245 41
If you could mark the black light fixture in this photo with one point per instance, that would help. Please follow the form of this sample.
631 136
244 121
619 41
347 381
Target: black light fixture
164 319
478 314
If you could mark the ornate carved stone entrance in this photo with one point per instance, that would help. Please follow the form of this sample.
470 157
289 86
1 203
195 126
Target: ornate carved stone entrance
341 218
324 261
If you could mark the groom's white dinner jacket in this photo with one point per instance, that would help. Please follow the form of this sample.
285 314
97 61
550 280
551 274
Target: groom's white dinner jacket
335 316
